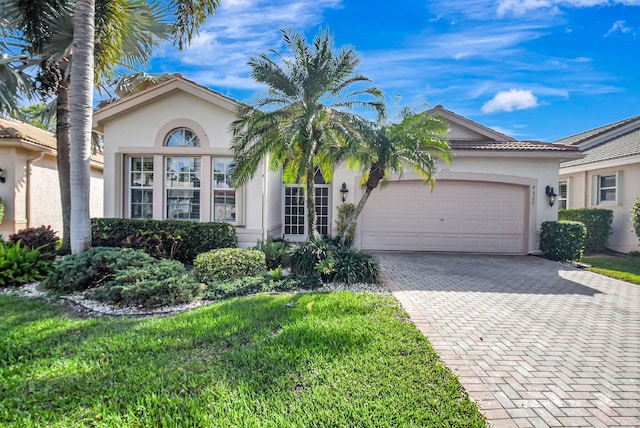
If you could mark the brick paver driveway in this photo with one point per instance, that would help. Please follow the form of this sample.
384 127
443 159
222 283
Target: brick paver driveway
535 343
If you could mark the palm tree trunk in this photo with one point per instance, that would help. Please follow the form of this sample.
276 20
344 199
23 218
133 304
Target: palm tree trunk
351 223
62 137
310 193
81 106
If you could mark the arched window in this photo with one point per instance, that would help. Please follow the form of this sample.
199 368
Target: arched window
182 137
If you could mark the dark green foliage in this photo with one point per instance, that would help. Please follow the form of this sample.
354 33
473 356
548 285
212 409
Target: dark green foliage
339 263
275 252
345 211
164 282
304 257
195 237
635 217
256 284
562 240
227 263
598 223
43 238
22 265
353 266
161 245
94 267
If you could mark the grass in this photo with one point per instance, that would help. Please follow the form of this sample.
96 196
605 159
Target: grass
625 268
287 360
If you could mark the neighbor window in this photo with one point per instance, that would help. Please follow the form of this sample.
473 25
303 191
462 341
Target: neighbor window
182 184
140 187
224 195
563 195
607 188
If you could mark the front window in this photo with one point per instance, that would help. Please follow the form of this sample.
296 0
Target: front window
224 195
182 137
562 195
182 183
607 188
141 187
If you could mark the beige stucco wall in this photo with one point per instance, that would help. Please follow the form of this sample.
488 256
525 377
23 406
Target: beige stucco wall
533 173
8 164
580 183
141 131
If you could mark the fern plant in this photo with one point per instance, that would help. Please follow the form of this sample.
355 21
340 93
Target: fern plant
22 265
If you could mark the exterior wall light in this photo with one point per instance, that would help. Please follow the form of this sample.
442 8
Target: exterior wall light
2 177
551 194
344 191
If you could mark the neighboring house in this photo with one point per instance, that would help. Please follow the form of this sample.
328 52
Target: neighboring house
168 155
30 188
607 177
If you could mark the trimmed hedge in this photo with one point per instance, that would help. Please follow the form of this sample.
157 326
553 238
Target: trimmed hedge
228 263
562 240
193 237
598 222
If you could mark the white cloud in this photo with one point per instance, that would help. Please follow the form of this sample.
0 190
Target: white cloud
514 99
520 7
618 26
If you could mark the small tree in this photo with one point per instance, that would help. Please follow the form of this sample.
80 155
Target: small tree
635 217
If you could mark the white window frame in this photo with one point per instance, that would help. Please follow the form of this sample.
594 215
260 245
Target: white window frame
169 182
301 232
144 186
223 186
182 137
596 189
564 200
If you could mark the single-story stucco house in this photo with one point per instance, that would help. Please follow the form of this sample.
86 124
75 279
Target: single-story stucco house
608 176
29 184
167 156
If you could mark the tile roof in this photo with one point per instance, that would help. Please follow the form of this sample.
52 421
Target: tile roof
618 147
587 135
511 146
14 129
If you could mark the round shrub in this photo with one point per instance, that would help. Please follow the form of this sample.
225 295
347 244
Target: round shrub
562 240
227 263
43 238
165 282
598 223
93 268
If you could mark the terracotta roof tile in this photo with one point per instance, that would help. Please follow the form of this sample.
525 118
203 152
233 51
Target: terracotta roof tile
511 146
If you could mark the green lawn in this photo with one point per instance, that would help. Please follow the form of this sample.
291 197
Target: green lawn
301 360
620 267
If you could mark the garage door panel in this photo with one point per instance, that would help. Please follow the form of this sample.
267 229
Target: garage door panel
457 216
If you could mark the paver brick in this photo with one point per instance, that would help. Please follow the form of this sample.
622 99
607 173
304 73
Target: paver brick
540 343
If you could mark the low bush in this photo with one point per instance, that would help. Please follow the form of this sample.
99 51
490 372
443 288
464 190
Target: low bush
598 222
164 282
43 238
353 267
562 240
93 268
195 237
275 253
333 261
21 265
256 284
227 263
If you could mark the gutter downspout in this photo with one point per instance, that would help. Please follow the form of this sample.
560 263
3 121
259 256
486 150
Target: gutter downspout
28 201
265 198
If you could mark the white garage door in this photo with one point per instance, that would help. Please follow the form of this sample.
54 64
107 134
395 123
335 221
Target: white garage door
458 216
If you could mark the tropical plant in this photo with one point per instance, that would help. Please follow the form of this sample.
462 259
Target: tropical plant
44 238
275 252
418 141
21 265
307 121
635 217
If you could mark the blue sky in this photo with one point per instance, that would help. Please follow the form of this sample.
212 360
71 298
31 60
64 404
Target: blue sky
533 69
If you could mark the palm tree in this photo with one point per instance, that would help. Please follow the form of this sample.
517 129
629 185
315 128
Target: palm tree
418 141
307 119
